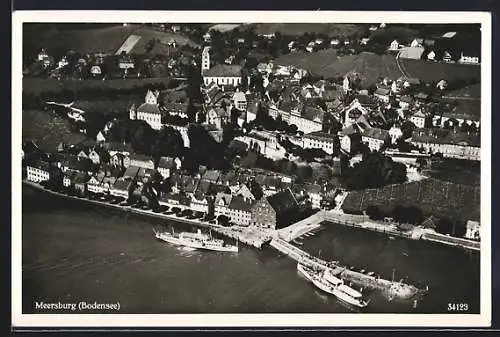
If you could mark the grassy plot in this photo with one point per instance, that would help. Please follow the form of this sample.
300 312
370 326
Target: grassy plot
456 171
37 86
298 29
435 71
371 66
96 39
432 196
48 130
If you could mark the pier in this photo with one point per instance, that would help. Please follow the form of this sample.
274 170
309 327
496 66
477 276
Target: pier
392 289
301 227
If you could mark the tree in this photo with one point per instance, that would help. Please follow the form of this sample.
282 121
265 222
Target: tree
256 189
168 143
223 220
150 45
374 213
142 137
407 128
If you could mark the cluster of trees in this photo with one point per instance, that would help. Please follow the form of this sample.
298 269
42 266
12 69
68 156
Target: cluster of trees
402 214
204 150
145 140
413 215
375 170
96 92
285 166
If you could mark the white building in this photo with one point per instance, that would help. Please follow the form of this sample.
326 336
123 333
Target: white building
395 133
205 59
319 140
418 118
431 56
149 111
394 45
240 101
375 138
38 172
313 191
468 59
451 144
473 230
223 75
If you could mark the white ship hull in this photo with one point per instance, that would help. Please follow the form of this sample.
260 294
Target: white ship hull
195 244
339 291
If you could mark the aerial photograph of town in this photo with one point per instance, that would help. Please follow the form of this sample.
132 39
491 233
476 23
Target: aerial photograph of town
187 168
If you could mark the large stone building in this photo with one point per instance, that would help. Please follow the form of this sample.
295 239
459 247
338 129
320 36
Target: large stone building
149 111
320 140
271 211
375 138
450 143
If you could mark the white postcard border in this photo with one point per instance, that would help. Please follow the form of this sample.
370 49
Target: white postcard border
252 320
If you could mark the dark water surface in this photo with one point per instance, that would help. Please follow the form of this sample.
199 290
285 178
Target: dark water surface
73 251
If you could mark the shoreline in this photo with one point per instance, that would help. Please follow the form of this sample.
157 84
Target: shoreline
225 231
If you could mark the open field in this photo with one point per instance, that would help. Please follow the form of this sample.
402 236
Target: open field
432 196
469 92
37 86
371 66
106 39
119 106
47 130
298 29
435 71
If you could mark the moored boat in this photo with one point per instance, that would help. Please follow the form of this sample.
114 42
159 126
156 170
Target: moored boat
197 240
331 284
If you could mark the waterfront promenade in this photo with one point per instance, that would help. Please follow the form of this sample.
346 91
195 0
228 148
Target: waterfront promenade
249 235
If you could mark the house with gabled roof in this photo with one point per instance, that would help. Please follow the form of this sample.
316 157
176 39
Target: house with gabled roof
239 210
122 188
375 138
142 161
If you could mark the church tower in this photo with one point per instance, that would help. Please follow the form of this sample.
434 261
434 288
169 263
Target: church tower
205 59
345 84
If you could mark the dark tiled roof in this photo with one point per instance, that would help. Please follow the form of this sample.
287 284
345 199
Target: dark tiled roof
116 146
320 135
238 202
140 157
406 99
376 133
211 176
42 165
149 108
443 136
223 70
313 114
282 201
131 172
382 92
80 178
166 162
122 184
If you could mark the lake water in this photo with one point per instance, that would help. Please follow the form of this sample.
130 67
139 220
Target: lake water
74 251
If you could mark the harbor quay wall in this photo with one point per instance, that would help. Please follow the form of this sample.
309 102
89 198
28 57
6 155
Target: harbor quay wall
418 233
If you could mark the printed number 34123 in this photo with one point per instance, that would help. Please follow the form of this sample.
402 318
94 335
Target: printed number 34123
458 307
